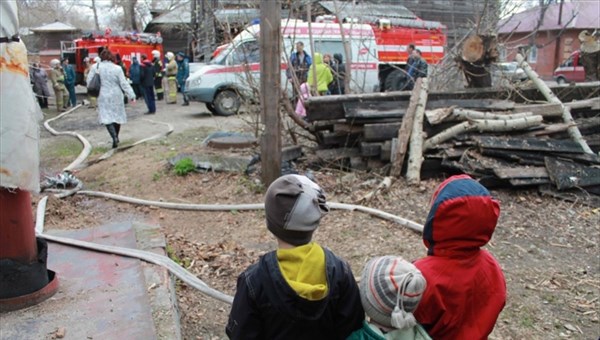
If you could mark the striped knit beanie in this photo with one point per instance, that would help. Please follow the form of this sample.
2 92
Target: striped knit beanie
390 290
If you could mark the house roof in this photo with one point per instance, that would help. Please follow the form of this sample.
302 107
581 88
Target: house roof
368 11
56 26
584 15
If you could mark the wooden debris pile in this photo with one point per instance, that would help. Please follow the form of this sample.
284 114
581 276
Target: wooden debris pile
495 135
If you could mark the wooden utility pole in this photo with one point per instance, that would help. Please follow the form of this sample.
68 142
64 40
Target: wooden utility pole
270 59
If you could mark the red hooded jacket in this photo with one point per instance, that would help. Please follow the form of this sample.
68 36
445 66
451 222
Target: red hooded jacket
465 290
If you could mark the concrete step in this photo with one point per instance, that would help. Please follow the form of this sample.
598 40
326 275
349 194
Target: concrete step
102 296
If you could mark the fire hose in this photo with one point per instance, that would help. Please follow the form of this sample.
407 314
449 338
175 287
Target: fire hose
154 258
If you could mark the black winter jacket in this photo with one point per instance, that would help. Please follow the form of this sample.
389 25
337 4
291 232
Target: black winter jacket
147 74
266 307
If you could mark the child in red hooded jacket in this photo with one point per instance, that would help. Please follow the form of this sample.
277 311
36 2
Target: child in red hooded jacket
466 290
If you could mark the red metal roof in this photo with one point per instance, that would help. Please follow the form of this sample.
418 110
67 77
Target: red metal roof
585 14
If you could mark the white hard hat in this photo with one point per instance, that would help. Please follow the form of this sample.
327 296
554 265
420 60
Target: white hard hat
170 55
156 54
54 62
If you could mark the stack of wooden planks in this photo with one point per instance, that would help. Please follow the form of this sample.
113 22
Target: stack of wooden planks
504 137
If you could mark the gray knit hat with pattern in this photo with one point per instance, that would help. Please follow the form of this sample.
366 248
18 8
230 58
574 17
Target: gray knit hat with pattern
390 290
294 206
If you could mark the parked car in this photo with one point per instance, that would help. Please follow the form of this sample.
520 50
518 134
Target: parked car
570 70
509 71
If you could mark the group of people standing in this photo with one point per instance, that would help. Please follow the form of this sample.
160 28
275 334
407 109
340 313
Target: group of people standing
304 291
62 76
145 80
322 74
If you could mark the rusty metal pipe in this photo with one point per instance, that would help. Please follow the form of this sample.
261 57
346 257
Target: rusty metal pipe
17 234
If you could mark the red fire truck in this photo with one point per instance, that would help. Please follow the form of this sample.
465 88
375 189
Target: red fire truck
393 37
125 44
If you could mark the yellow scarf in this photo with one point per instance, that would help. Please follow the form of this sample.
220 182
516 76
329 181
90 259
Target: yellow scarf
303 268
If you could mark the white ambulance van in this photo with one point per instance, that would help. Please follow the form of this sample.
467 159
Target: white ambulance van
234 74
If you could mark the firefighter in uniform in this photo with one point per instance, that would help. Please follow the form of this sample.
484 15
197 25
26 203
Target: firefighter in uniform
57 77
171 78
158 75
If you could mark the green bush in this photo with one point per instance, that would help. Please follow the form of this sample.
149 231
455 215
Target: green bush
184 166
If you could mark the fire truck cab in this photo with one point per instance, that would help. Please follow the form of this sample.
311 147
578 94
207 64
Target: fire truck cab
125 44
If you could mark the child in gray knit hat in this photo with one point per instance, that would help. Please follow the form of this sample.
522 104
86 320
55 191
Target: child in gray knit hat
390 290
301 290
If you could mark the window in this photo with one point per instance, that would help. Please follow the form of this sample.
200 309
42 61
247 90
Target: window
246 53
331 47
533 53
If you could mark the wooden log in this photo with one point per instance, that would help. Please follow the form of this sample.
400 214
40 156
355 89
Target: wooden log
331 107
483 126
413 172
545 90
565 174
593 103
347 128
473 49
336 154
289 153
464 114
393 109
386 151
332 138
437 116
405 130
380 132
475 104
477 53
370 149
546 110
548 130
528 144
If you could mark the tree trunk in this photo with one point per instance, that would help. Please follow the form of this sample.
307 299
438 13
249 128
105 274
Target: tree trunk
481 126
132 18
95 15
545 90
270 32
478 52
405 130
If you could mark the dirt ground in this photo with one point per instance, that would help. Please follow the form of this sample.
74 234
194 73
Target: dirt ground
548 248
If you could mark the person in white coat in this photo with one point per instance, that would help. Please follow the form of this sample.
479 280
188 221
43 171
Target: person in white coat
111 109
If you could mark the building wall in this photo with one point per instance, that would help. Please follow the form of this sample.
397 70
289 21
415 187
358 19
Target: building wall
549 55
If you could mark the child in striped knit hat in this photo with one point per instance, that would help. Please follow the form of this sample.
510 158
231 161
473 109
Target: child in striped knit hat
390 290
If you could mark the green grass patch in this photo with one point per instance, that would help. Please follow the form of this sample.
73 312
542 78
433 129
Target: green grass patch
99 150
184 166
63 148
